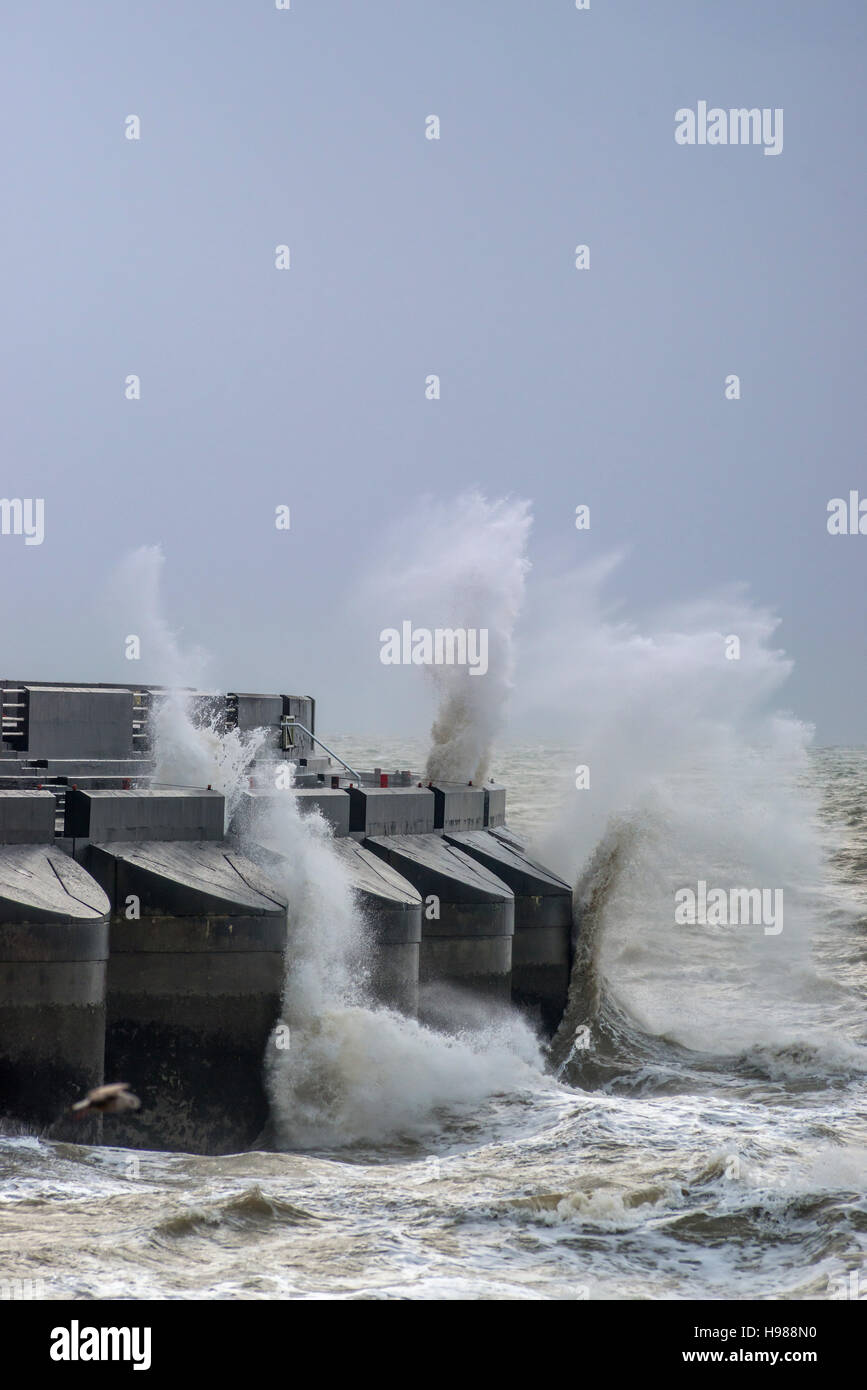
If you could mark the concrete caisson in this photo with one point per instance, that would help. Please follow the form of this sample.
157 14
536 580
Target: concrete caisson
458 806
193 990
252 819
391 909
53 955
508 837
495 805
144 814
92 722
467 921
391 811
541 952
26 817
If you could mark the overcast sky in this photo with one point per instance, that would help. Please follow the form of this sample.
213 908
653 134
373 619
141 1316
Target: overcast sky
409 257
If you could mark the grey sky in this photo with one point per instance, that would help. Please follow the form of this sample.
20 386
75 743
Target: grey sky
412 257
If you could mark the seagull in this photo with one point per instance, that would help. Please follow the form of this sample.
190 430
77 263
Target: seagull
107 1100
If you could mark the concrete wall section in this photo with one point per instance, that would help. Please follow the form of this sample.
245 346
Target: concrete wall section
40 884
194 989
183 880
252 818
541 951
467 920
26 817
79 722
331 802
302 708
391 910
98 767
391 810
191 1006
458 806
259 711
495 805
144 814
53 954
509 837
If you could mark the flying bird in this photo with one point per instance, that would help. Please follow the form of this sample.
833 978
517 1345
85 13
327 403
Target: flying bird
107 1100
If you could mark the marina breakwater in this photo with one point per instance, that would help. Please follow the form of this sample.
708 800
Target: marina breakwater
146 932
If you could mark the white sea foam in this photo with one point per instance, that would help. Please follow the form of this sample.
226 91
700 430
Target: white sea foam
691 753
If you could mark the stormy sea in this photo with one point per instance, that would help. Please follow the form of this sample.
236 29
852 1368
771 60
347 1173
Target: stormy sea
696 1129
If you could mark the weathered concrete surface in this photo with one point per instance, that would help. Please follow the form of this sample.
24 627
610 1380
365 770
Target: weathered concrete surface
79 722
191 1006
251 814
391 909
53 953
183 879
302 708
313 765
541 950
98 767
40 884
468 946
144 814
508 837
458 806
193 991
259 711
331 802
26 817
495 805
391 810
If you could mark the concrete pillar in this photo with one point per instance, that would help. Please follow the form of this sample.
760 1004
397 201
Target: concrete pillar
53 954
495 805
79 721
162 813
541 951
251 819
468 919
458 806
391 810
193 992
391 909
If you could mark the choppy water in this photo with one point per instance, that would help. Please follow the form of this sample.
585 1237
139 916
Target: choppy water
708 1141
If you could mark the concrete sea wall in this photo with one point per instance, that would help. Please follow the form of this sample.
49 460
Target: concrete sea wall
139 942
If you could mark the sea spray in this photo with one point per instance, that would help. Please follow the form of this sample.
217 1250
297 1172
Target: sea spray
136 591
374 1076
343 1071
192 747
687 748
195 750
327 935
459 566
350 1072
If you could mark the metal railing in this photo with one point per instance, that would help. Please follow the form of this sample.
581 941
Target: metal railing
289 722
